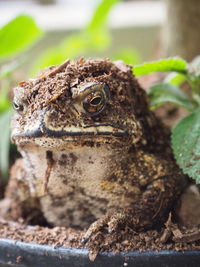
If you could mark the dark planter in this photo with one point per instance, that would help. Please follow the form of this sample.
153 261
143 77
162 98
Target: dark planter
15 253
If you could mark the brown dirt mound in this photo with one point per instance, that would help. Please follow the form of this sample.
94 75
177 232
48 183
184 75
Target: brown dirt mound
169 237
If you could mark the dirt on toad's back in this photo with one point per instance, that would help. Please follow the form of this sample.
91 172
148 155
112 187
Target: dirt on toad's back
54 81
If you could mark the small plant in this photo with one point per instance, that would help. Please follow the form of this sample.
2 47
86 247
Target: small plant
185 138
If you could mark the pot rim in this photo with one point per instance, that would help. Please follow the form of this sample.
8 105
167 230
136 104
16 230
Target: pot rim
18 253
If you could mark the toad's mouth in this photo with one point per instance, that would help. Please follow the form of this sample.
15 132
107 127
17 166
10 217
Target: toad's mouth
44 127
106 129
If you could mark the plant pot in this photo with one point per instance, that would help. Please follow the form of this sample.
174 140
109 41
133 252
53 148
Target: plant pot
16 253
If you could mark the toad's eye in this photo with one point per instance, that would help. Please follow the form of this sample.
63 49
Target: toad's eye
94 102
17 106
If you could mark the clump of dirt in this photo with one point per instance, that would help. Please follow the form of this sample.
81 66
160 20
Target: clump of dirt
169 237
56 82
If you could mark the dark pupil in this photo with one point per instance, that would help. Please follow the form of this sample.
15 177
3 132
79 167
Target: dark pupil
95 101
17 106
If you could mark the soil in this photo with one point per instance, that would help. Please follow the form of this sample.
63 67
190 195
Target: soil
169 237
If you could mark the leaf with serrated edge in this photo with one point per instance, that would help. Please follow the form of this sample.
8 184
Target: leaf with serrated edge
163 65
186 145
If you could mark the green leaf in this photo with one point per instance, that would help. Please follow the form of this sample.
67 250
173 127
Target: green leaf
161 93
167 64
4 100
186 144
17 35
175 78
5 141
100 15
4 103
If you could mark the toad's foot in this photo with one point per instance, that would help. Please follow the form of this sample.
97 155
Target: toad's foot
112 220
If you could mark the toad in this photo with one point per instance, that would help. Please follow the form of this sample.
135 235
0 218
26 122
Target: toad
93 154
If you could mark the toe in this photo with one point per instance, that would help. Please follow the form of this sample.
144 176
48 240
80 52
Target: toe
115 222
95 227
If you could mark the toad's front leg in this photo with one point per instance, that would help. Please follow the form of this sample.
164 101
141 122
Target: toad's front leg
152 207
112 220
18 199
